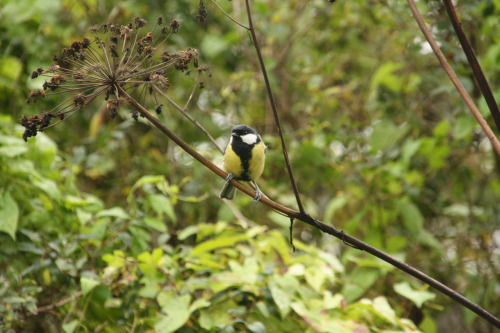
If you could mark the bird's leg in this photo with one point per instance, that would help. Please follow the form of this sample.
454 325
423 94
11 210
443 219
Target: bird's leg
258 193
229 177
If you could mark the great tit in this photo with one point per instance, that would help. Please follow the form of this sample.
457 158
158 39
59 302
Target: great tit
244 159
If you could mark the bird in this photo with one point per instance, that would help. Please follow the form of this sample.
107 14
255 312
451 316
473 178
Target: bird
244 159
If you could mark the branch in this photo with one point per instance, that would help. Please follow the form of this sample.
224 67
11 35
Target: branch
304 217
447 68
474 63
229 16
274 108
188 116
61 302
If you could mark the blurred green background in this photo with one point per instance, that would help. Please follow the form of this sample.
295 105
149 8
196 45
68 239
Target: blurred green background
108 226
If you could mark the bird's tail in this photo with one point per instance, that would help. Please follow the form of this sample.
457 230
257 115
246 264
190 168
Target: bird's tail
228 191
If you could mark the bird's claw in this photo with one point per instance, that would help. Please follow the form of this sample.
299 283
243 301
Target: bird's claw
258 195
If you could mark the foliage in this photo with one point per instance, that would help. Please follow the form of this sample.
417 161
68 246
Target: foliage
94 243
219 276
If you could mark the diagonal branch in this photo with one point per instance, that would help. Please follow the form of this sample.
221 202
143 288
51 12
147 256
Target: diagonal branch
474 63
306 218
229 16
447 68
191 118
274 108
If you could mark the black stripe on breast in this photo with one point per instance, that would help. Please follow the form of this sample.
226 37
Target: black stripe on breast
244 151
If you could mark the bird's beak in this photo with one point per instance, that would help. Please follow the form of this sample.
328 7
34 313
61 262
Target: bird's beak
234 134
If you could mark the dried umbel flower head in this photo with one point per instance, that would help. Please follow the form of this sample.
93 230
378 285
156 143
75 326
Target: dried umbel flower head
118 61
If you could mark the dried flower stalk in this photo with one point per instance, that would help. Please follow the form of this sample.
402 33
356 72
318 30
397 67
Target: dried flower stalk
118 56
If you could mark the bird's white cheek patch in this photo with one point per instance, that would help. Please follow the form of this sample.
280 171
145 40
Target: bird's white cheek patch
249 139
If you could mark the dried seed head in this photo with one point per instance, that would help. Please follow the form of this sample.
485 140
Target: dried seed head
202 12
140 22
174 26
35 95
118 59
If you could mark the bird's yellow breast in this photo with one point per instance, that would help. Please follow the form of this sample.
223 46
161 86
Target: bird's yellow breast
255 166
258 160
232 162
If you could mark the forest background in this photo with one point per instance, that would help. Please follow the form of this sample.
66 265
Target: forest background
108 226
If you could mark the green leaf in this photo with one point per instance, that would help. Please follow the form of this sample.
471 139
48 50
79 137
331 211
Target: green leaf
176 309
117 212
49 187
70 326
162 205
216 244
442 128
188 231
333 205
464 126
385 133
359 281
419 297
88 284
11 151
382 306
410 147
216 315
9 214
282 298
386 76
412 218
155 223
199 304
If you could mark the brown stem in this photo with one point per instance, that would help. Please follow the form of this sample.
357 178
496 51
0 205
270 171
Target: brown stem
229 16
304 217
274 108
474 63
188 116
447 68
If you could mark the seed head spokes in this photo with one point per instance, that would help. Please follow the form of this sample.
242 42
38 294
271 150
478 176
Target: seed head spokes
127 57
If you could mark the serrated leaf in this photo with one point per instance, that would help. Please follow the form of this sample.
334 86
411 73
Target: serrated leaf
419 297
9 215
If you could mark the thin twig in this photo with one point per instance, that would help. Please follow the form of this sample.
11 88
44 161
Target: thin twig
293 214
474 63
188 116
61 302
229 16
447 68
274 108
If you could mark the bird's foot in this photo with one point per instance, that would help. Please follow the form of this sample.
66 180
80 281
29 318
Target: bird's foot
258 193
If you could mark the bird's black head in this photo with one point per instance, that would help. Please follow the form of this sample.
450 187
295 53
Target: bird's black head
241 130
